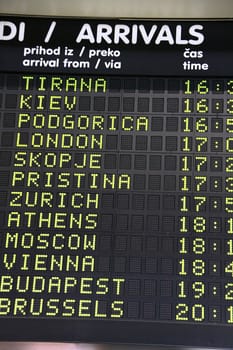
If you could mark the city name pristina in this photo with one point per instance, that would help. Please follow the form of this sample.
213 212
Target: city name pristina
94 181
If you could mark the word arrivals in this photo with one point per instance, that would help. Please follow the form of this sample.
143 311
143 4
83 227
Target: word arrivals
156 34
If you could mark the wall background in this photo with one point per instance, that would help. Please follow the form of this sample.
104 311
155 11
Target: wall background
121 8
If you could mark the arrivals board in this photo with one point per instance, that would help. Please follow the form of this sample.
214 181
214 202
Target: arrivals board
116 181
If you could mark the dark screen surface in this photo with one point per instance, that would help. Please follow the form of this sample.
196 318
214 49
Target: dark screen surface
115 193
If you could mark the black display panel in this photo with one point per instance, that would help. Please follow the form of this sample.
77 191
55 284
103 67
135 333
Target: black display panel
116 183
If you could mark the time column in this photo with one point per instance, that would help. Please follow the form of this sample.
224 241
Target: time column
194 282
